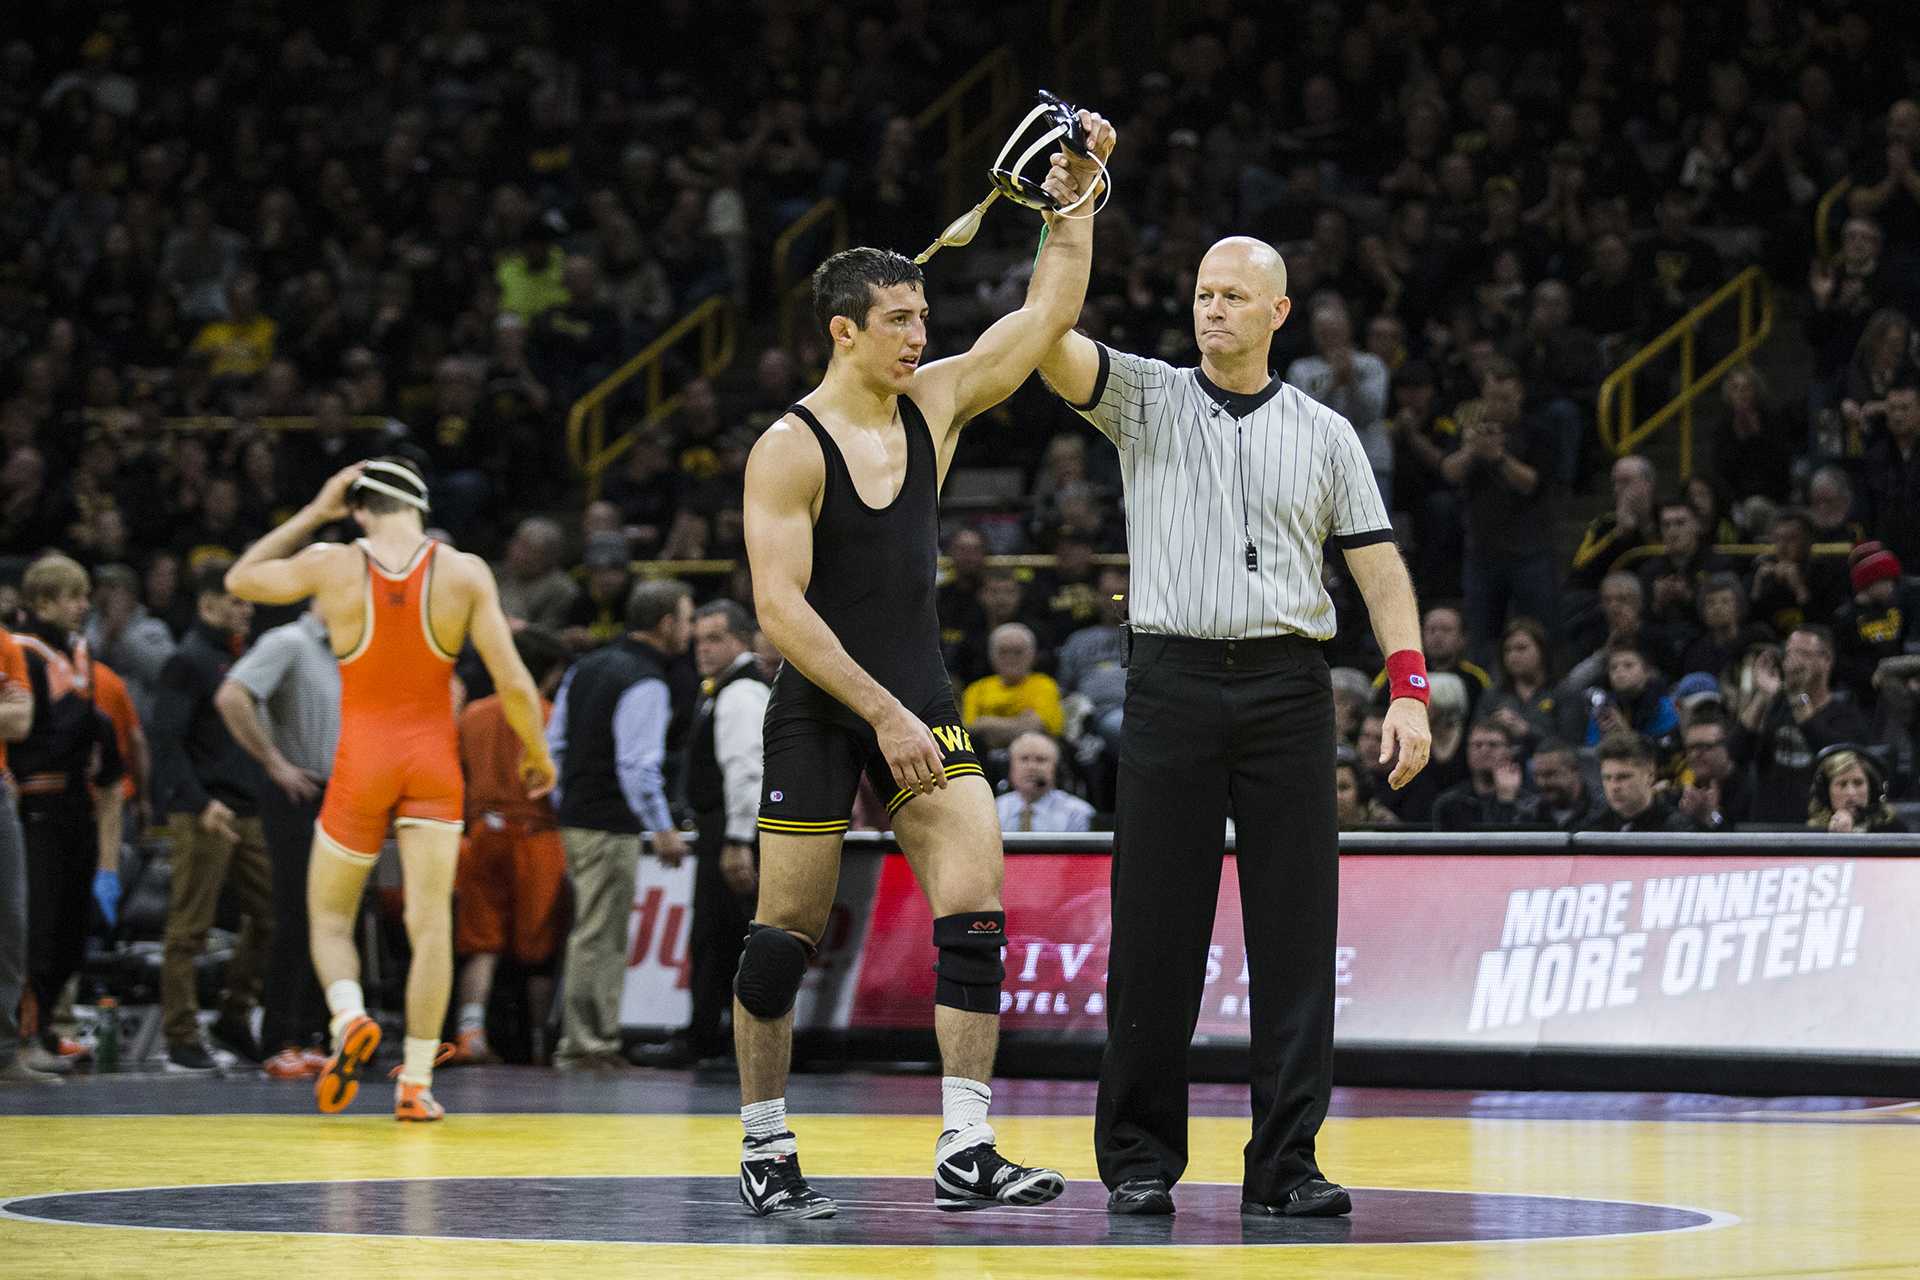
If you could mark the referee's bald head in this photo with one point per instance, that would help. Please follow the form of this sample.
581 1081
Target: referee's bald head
1256 257
1239 300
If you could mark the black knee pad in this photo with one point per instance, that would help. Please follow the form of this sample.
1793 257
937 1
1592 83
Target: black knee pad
772 963
968 973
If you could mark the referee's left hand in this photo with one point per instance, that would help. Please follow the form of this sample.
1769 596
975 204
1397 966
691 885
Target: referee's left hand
1404 733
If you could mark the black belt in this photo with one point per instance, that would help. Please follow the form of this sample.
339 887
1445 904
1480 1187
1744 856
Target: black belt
1253 652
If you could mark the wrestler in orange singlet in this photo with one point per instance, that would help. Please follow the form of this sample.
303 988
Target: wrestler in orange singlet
402 605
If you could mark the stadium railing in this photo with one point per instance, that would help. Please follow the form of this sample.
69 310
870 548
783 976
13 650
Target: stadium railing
1622 430
712 325
971 113
1823 218
721 568
790 294
1732 550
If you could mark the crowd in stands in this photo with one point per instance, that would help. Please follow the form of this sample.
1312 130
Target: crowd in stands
428 230
238 250
1480 219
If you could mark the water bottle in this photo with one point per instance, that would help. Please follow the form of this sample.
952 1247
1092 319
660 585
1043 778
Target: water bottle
106 1043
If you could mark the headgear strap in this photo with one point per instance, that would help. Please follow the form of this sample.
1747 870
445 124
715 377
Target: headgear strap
414 495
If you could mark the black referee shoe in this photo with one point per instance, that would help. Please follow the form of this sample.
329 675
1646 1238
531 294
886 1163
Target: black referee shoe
1145 1196
1314 1198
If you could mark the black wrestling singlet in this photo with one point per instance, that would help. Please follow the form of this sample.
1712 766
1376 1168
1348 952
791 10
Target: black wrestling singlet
873 581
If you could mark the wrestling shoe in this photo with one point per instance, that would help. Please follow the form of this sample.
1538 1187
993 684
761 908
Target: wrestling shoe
292 1064
976 1176
340 1078
771 1184
414 1103
470 1049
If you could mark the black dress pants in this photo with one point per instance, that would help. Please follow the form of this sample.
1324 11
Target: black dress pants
1212 728
62 854
718 932
292 1009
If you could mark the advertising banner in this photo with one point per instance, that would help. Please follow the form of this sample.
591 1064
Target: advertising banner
1764 954
655 994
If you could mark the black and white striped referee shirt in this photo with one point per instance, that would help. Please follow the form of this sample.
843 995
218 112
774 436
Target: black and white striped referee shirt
1230 498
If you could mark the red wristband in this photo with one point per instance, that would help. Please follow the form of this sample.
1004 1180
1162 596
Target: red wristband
1407 674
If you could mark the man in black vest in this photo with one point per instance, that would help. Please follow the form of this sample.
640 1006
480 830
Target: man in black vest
723 789
609 740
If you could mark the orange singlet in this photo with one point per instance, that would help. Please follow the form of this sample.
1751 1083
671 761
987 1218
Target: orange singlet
398 762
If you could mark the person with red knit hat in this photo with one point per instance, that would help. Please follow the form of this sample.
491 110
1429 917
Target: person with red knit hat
1872 625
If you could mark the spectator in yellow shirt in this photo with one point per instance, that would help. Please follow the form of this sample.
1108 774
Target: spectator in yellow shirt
1014 699
241 345
530 277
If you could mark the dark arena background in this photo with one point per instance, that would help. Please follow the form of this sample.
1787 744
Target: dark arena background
557 256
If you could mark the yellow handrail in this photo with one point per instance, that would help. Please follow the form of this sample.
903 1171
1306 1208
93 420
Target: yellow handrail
788 293
1823 218
951 110
721 568
111 420
712 321
1733 550
1620 431
967 130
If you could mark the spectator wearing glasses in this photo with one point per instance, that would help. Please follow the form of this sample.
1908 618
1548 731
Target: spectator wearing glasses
1792 714
1033 802
1714 792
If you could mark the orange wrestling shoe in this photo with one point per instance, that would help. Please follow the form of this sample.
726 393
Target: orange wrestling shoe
291 1064
470 1049
414 1103
339 1079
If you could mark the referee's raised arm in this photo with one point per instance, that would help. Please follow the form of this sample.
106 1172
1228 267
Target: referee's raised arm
1072 369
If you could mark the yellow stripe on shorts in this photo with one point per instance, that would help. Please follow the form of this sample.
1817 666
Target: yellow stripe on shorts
783 826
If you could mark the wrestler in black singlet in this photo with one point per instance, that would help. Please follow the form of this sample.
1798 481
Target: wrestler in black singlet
873 585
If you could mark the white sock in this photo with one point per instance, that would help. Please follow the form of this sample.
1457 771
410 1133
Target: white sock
473 1017
347 1002
764 1122
963 1108
418 1068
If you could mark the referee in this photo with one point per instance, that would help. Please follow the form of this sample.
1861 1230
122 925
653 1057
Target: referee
1234 481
